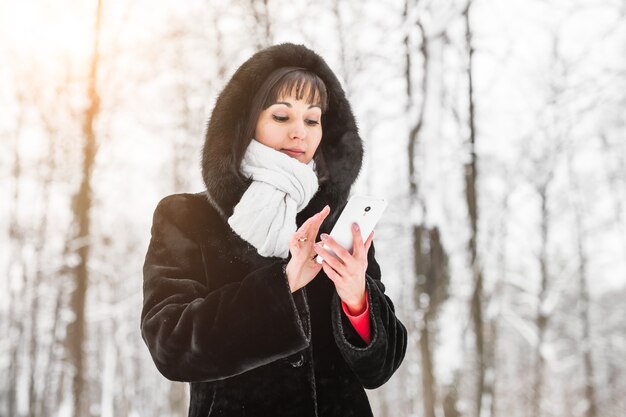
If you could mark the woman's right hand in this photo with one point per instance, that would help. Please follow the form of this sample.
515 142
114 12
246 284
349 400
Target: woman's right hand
302 267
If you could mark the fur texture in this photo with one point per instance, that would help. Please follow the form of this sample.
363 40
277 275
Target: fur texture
220 316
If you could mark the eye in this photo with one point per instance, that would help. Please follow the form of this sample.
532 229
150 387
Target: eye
312 122
280 118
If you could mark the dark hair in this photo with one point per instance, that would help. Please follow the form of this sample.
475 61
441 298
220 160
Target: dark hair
285 81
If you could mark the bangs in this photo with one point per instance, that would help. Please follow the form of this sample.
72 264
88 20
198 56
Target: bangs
301 84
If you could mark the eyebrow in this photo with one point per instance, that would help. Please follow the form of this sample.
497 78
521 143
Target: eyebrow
289 104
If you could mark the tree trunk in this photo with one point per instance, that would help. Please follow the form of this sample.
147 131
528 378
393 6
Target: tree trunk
614 177
430 259
46 178
177 399
490 386
541 320
341 39
33 345
430 291
428 377
451 399
421 234
471 175
583 294
53 371
14 325
494 323
588 369
81 208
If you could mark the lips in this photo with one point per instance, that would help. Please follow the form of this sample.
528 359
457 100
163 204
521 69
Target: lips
292 152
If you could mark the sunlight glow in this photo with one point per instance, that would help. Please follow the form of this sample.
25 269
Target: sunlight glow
52 30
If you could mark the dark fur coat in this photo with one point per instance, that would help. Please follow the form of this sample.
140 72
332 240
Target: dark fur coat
222 317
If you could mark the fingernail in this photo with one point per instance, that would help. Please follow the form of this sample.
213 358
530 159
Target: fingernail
356 226
324 236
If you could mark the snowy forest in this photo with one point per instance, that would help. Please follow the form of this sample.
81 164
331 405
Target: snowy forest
496 130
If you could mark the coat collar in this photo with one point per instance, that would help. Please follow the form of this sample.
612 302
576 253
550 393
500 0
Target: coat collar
341 144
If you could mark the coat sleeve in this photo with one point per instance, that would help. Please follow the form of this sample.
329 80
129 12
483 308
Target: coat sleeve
377 361
194 334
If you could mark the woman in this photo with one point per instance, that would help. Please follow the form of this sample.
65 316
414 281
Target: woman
234 302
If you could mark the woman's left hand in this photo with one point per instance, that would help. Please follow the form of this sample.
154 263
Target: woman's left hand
348 272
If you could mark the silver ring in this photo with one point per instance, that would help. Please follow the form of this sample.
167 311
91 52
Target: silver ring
303 239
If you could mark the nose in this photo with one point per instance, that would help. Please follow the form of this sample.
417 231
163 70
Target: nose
298 130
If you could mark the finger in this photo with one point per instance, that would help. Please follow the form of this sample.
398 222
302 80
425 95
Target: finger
313 265
322 215
357 241
339 250
310 221
331 273
315 220
368 243
328 257
300 233
308 229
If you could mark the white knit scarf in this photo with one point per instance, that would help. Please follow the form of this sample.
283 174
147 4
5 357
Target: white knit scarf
281 187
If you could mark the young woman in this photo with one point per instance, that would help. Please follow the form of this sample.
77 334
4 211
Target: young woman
234 301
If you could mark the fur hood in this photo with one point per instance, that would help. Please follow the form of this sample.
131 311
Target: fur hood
341 145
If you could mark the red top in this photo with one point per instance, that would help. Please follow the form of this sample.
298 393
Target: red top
361 323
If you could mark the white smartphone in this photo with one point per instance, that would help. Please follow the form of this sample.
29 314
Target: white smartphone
363 210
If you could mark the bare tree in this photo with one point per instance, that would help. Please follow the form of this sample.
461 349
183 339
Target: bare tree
542 176
583 294
541 320
81 208
471 180
614 174
430 259
348 64
14 324
262 20
47 174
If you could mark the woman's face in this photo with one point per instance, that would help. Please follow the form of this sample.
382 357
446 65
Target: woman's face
291 126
